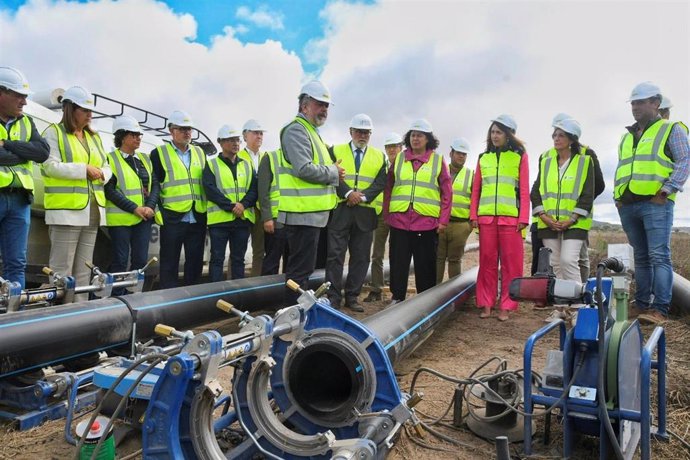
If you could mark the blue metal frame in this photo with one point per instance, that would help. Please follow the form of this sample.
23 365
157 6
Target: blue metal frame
656 342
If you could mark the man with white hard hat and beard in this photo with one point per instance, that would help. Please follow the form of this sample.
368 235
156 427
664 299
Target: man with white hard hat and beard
308 178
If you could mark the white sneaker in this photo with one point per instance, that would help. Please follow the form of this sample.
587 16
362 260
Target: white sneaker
555 316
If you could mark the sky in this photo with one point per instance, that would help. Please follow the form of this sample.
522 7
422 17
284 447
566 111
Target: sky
456 63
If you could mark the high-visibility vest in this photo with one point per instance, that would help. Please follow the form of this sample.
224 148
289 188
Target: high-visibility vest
500 182
74 193
233 189
247 156
417 188
371 163
462 193
130 185
20 131
274 188
298 195
643 168
559 194
182 187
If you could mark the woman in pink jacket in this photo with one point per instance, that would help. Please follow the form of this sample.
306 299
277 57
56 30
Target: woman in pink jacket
500 207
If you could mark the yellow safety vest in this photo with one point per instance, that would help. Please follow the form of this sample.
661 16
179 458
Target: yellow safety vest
559 194
298 195
182 187
643 168
417 188
74 193
247 156
274 189
371 163
462 193
233 189
20 131
500 183
130 185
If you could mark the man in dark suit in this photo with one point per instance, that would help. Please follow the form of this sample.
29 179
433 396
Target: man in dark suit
354 220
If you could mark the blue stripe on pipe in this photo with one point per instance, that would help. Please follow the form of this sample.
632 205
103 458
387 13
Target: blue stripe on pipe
63 315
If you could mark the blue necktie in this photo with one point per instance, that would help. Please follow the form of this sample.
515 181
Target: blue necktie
358 159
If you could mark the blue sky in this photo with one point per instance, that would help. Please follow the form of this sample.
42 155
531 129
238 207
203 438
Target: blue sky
294 23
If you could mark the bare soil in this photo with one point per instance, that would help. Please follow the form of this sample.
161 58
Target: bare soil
456 349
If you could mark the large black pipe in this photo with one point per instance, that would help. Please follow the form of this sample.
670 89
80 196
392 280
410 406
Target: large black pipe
42 337
403 327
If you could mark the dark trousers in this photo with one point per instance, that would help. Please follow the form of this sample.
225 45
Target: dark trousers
420 246
129 243
15 216
359 245
238 237
173 238
276 248
302 243
536 246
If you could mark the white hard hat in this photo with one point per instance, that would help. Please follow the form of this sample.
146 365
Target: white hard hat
644 90
127 123
570 126
14 80
558 117
316 90
253 125
361 121
392 139
79 96
461 145
665 103
180 118
506 120
422 125
228 131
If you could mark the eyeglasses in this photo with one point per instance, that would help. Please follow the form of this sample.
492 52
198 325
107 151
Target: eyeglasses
184 129
134 133
361 132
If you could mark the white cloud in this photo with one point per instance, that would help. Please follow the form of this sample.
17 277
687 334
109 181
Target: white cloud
261 17
141 52
459 64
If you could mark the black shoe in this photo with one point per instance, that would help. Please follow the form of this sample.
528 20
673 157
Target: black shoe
353 305
373 297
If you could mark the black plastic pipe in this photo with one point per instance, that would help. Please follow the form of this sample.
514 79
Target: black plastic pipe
404 326
37 338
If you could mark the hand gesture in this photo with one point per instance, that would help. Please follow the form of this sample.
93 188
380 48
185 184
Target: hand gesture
238 210
94 173
341 170
269 227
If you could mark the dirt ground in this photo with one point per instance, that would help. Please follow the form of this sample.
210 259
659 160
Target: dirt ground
456 349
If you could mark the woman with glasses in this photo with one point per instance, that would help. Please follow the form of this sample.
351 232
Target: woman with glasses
500 208
562 198
73 176
131 197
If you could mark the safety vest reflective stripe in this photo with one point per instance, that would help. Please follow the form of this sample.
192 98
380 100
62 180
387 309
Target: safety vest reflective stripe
20 131
500 183
247 156
74 193
417 188
462 193
130 185
233 189
182 186
274 189
371 163
644 168
311 197
560 193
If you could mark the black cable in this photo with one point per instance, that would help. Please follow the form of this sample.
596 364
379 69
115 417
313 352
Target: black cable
120 378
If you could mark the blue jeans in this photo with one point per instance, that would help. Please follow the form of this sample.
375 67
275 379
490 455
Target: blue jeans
128 240
238 237
648 227
15 214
